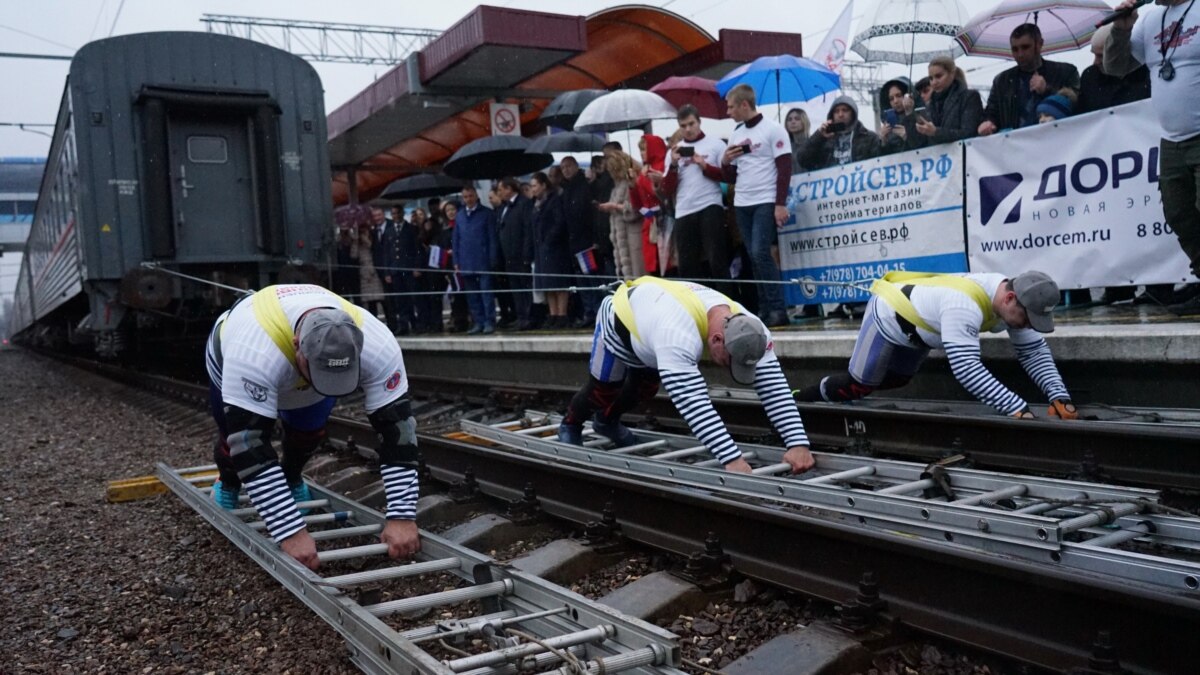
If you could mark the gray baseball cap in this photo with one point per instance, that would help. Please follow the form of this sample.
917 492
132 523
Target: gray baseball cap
1038 294
332 344
746 341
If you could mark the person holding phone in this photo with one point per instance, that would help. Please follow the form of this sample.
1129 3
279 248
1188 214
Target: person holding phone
954 112
694 181
897 126
840 139
758 162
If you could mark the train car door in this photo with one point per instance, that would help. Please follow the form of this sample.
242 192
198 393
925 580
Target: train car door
212 188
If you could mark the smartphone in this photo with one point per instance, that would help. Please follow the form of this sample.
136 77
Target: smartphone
687 151
891 118
921 113
837 127
745 148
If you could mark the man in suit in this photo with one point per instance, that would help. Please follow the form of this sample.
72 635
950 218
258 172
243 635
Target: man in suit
515 225
387 259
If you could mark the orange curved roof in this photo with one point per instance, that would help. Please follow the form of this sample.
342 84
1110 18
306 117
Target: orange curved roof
623 44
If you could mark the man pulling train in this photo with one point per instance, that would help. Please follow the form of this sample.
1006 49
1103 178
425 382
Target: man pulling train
656 331
911 313
290 351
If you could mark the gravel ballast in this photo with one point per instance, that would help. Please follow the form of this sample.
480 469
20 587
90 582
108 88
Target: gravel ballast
139 587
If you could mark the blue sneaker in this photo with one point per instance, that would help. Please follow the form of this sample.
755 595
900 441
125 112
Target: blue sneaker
300 493
225 498
570 433
616 432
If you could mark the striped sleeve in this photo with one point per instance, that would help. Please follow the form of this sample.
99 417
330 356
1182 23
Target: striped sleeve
778 402
689 393
967 366
270 494
401 487
1034 355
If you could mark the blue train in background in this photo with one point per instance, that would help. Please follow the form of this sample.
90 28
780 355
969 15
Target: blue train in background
181 163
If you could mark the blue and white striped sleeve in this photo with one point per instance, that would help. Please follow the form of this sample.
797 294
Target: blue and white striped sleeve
689 393
272 498
401 487
1034 355
778 402
960 338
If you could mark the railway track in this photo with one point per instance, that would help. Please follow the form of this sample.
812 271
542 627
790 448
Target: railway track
1063 575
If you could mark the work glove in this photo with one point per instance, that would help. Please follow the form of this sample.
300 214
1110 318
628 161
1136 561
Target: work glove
1024 414
1063 410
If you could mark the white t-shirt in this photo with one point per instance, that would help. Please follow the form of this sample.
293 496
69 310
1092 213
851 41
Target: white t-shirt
255 375
696 191
954 315
756 172
1174 99
667 338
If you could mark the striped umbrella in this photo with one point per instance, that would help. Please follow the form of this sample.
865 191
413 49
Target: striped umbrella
1065 25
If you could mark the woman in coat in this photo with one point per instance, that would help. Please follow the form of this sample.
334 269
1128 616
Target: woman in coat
625 221
553 254
955 112
370 285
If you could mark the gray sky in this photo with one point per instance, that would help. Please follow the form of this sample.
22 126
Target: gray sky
33 89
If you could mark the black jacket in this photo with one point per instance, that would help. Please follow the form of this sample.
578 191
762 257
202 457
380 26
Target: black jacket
957 114
818 152
1098 90
577 210
514 224
1004 106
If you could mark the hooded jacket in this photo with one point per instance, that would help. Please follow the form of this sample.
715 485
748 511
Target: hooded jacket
864 144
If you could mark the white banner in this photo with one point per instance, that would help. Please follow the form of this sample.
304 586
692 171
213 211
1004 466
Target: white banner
506 119
1077 199
857 222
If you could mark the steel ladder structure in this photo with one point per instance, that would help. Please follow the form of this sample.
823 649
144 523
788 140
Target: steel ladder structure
1119 533
529 624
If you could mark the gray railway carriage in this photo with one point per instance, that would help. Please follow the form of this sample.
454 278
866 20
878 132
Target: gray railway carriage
197 153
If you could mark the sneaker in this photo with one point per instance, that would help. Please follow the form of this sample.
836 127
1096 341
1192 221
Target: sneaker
616 432
777 319
300 493
224 497
570 433
475 330
489 329
1186 308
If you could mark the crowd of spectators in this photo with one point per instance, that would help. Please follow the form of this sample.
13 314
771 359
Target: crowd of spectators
536 254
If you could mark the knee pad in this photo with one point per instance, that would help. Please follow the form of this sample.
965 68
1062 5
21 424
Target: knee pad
397 429
647 386
601 395
250 449
301 443
843 387
894 381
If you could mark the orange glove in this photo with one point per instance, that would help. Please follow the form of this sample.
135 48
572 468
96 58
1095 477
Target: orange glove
1063 410
1025 414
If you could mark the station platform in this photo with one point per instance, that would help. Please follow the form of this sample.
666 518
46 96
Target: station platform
1133 355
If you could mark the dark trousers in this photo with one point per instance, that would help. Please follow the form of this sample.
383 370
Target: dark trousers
758 229
519 284
428 303
1179 183
483 311
702 244
610 400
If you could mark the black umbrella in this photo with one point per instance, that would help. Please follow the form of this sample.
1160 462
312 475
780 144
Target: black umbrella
563 110
421 185
569 141
495 157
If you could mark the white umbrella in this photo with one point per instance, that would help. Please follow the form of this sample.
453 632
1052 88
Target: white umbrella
623 109
911 31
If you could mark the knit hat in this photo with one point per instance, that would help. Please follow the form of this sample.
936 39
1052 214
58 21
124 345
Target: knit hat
1056 106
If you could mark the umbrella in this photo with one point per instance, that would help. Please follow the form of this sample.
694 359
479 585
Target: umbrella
782 79
564 109
495 157
1065 25
569 141
697 91
421 185
911 31
623 109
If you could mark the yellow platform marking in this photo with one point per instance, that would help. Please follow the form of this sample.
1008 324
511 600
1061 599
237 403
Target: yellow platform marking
132 489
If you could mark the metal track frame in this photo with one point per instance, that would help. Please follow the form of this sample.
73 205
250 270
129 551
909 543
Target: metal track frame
621 641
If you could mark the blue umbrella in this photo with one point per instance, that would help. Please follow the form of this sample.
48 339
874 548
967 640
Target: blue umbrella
782 79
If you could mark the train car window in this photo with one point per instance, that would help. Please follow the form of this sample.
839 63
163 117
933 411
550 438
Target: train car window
207 149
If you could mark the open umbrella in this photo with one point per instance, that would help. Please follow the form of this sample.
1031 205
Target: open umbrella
698 91
782 79
568 141
911 31
1065 25
565 108
623 109
421 185
495 157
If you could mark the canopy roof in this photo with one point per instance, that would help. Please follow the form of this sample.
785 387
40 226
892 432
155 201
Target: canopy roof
419 113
